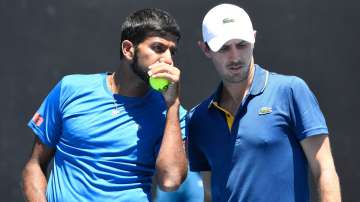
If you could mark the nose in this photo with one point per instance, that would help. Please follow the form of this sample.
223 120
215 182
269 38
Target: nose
166 57
234 53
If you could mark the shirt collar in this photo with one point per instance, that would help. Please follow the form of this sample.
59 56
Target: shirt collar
261 77
258 85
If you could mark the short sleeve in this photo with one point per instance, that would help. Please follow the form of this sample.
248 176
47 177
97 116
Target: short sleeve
182 118
46 123
197 159
306 116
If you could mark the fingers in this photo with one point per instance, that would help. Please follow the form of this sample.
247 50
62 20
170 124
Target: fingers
165 71
172 74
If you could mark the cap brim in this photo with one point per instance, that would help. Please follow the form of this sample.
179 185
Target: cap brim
216 43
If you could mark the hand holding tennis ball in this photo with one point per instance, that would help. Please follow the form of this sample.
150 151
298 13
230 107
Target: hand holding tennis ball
165 77
159 84
162 74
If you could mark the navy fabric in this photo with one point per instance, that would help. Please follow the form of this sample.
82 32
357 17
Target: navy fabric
260 158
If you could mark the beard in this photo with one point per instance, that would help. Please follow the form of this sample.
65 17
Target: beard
242 76
238 79
138 69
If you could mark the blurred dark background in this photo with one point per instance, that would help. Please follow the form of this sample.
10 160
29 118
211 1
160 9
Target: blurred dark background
43 40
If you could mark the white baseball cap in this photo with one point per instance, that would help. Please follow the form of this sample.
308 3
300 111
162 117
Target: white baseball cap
225 22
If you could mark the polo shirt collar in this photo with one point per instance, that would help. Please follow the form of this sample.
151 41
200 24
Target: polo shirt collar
258 85
261 77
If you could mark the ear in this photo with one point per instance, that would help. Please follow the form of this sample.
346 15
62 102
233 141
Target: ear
128 49
204 48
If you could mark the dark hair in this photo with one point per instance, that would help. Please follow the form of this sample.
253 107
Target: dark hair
149 22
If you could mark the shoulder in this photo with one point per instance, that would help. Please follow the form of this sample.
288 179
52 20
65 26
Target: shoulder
200 109
282 79
289 89
286 82
75 85
79 80
82 82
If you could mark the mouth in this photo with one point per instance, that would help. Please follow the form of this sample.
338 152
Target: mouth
236 67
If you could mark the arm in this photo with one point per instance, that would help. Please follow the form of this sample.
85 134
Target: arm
206 178
34 172
318 154
171 162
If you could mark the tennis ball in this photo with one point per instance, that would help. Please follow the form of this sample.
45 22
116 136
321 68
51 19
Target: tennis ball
159 84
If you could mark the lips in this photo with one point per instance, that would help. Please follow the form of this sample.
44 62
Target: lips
235 67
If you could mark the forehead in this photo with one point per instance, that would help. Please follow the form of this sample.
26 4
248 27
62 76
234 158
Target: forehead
161 40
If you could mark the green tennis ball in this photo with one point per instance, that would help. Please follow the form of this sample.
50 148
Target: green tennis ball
159 84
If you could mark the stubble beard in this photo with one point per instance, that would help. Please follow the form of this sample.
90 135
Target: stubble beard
139 70
244 75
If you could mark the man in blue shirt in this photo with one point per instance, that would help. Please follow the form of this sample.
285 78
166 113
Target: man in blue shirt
109 133
259 131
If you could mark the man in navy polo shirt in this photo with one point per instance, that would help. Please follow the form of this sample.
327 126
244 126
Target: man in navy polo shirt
259 131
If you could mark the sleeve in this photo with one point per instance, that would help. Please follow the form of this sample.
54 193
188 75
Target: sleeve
306 116
46 123
182 118
197 159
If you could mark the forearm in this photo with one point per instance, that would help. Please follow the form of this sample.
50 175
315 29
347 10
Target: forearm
34 183
329 187
171 163
318 153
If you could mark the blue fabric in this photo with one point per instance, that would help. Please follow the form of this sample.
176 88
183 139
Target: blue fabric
100 155
192 190
261 158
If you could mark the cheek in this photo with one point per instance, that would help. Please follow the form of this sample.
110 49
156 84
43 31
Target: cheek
219 60
146 58
248 53
220 65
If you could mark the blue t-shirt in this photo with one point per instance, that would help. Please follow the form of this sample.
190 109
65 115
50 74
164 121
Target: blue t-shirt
260 158
106 145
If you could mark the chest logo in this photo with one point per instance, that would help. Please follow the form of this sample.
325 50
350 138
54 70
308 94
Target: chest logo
265 110
115 112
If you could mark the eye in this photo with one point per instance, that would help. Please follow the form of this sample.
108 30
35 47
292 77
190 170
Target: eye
224 49
158 47
241 45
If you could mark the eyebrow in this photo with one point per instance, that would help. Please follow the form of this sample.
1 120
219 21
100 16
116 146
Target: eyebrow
173 48
243 42
163 44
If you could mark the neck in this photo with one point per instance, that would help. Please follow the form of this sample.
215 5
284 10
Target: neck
232 94
125 82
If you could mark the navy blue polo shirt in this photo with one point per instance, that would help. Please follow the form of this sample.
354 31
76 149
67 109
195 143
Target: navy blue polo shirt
260 157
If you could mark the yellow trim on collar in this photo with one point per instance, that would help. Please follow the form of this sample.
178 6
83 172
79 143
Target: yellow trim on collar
228 115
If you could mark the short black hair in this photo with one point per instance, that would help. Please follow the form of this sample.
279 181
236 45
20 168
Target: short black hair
149 22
